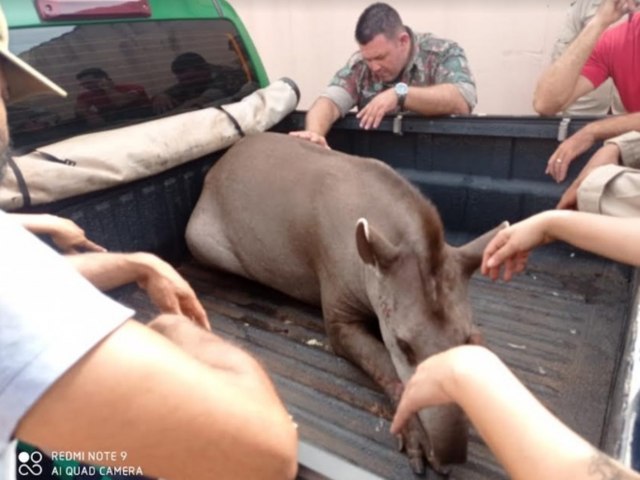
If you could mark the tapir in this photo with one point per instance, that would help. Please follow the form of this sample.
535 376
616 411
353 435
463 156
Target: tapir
350 234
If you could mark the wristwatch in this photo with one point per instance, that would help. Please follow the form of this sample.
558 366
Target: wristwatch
401 90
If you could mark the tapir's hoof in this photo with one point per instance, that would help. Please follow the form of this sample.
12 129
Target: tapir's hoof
417 465
419 448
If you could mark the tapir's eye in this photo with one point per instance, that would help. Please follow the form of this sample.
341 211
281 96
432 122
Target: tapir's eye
408 352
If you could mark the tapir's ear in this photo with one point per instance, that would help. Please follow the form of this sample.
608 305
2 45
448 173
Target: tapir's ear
470 254
373 248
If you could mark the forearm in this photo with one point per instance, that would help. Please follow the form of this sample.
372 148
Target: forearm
39 224
442 99
111 270
175 393
525 437
611 237
556 86
613 126
321 116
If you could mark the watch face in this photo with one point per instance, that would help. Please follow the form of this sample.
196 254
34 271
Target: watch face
401 88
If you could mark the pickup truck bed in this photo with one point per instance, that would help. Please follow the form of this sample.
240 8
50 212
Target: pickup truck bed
559 327
562 326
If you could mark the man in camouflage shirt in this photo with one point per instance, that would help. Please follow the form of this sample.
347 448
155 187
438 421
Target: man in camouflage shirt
394 70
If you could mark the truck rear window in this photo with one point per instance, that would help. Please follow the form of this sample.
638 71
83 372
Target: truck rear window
122 73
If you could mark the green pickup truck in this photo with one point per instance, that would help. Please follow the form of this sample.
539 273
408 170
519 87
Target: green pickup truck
568 327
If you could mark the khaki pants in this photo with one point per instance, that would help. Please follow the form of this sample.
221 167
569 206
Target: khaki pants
611 190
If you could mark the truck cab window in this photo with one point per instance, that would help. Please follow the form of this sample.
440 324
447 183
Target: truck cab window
121 73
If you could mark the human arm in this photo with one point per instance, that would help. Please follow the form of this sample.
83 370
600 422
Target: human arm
166 288
527 439
160 407
163 102
446 87
606 155
67 236
103 383
623 149
441 99
562 83
318 121
585 138
612 237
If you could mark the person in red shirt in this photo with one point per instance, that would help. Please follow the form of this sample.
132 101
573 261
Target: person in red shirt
597 53
103 101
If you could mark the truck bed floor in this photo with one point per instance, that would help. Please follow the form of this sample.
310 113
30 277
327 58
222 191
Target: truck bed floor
559 327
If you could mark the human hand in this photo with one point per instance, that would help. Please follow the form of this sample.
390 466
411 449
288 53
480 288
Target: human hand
510 248
372 114
606 155
611 11
162 103
312 137
567 152
64 233
433 382
70 238
169 291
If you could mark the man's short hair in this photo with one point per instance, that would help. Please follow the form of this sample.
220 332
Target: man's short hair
92 72
188 60
378 18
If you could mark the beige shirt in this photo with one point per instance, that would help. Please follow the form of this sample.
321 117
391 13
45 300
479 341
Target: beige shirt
615 189
629 145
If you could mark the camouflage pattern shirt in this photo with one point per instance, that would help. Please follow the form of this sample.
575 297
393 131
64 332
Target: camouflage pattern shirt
433 61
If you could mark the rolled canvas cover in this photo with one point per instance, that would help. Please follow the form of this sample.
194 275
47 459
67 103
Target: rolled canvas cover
100 160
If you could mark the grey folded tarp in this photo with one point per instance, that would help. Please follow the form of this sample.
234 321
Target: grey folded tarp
100 160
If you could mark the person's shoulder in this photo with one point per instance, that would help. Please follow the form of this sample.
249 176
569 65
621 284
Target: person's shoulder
429 43
355 61
355 65
622 33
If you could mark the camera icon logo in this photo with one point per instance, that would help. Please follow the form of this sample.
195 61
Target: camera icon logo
29 464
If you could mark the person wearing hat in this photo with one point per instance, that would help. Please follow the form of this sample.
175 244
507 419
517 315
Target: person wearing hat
78 375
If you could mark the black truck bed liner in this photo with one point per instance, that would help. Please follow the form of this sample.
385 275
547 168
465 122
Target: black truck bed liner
558 326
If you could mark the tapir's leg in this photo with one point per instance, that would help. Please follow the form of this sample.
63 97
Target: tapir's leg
353 341
206 238
350 338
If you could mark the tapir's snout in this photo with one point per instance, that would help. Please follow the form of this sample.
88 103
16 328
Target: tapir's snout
448 430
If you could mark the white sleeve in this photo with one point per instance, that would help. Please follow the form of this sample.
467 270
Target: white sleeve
50 317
